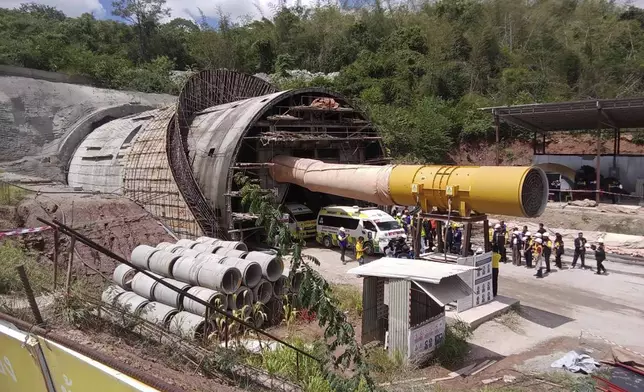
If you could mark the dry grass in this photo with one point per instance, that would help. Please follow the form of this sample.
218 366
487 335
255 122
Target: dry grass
511 320
349 297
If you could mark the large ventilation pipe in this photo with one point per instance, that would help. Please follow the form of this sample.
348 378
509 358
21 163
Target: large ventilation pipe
272 267
503 190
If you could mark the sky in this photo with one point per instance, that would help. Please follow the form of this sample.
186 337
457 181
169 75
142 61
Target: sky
182 8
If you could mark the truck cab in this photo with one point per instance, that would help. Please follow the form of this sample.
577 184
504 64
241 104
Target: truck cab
301 219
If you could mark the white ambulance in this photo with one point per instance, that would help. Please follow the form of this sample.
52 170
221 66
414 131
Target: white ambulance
377 227
301 218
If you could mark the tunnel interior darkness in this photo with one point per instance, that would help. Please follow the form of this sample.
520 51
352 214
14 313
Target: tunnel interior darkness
295 127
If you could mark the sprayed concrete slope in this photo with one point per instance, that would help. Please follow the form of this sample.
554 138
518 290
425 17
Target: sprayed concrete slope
42 122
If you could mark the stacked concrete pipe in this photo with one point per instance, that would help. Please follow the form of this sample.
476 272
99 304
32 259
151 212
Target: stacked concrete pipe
230 252
158 313
272 267
123 275
213 297
223 244
263 292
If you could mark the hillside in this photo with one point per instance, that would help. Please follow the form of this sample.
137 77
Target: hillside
421 68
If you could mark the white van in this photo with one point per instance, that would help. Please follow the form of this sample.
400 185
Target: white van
377 227
301 218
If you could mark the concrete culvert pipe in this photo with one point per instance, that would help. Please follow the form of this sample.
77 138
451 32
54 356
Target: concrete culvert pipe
161 262
272 267
167 296
251 270
213 297
171 248
263 292
186 243
111 293
229 252
123 275
164 245
259 319
207 240
223 278
211 257
237 245
186 252
131 302
144 285
189 325
186 269
242 297
279 287
141 255
205 248
158 313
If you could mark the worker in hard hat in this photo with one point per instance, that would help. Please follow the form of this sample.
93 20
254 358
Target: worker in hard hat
343 242
559 250
600 256
547 249
399 219
360 250
527 249
537 253
580 251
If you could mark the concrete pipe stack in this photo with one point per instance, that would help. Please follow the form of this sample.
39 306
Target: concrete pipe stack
222 273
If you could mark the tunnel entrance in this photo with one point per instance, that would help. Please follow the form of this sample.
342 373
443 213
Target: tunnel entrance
309 124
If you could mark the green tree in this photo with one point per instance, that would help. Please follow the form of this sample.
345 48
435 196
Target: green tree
145 15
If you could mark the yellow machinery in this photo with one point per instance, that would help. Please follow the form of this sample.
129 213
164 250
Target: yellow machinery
503 190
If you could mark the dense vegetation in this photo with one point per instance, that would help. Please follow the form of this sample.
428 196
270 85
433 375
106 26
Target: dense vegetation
421 68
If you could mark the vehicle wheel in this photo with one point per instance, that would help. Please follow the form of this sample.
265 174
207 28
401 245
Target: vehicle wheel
368 249
327 242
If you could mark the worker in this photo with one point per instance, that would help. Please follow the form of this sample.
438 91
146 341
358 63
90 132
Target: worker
457 240
559 250
498 239
537 253
496 257
580 251
541 229
426 232
524 231
600 256
360 250
547 250
516 247
390 249
343 242
402 249
399 219
527 249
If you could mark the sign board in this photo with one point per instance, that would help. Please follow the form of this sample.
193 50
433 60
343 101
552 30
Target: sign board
71 371
424 338
19 370
479 280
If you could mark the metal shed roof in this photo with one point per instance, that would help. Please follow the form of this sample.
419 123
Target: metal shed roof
416 270
576 115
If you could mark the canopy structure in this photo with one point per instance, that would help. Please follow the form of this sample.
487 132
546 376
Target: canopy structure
598 115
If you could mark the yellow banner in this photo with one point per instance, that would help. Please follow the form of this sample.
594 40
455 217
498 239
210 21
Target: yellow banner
71 372
19 369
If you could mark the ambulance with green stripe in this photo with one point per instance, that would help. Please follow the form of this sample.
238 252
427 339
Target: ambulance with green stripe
377 227
301 218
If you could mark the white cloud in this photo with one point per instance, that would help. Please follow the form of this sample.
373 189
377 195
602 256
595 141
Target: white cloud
69 7
235 9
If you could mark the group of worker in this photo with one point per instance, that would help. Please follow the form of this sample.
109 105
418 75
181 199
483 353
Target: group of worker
539 248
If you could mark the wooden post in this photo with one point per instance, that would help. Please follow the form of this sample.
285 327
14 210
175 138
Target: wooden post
497 125
467 234
439 236
70 261
486 235
30 294
598 163
56 250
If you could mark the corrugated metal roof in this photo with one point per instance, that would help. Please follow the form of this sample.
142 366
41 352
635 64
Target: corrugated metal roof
449 289
416 270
